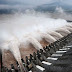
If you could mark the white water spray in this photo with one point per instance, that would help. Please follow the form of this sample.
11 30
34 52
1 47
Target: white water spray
18 28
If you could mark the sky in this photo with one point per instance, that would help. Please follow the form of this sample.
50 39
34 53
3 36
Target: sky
34 2
27 3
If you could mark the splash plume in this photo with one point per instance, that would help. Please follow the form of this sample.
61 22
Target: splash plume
21 32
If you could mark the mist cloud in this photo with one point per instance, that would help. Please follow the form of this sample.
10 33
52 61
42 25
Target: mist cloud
7 4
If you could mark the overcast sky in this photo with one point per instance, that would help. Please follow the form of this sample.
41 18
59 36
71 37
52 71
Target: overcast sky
20 3
32 2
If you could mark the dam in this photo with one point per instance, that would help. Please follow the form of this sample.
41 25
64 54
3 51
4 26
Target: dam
51 52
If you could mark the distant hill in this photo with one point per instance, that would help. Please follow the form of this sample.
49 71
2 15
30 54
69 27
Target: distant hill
52 6
49 7
13 9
